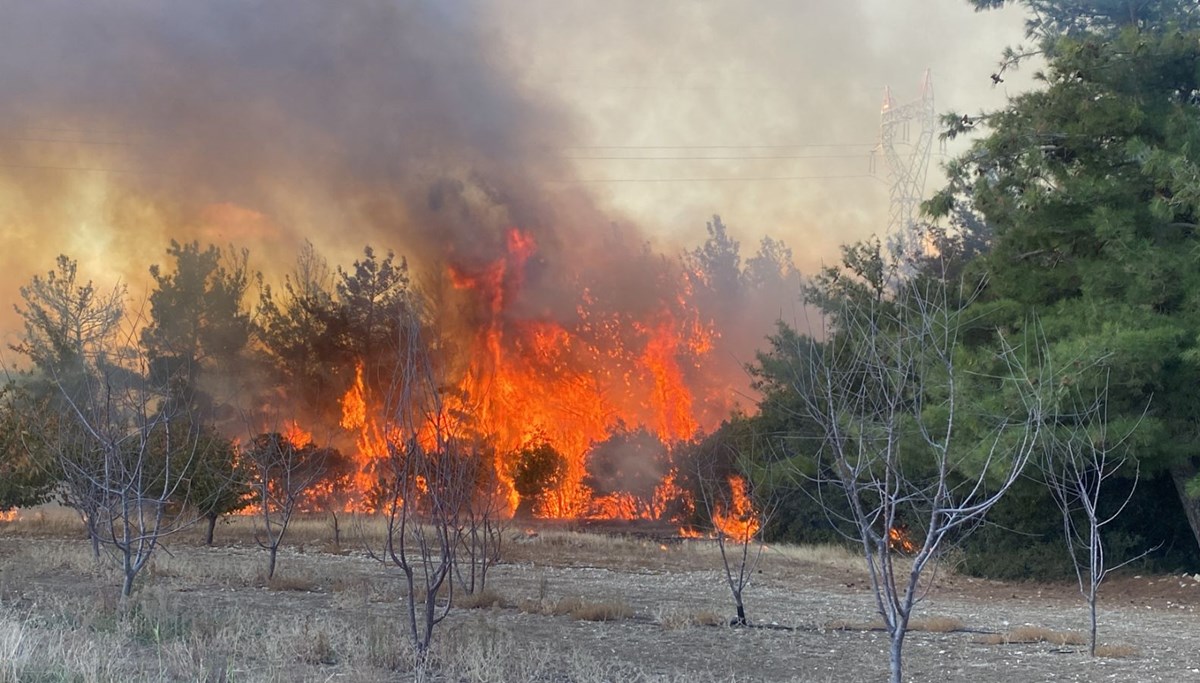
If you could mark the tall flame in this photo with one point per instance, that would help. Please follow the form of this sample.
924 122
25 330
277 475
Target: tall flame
524 375
738 521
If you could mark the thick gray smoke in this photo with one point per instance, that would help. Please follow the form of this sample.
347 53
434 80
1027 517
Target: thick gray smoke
262 123
431 126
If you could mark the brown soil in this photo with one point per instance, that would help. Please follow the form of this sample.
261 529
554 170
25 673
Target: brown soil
793 604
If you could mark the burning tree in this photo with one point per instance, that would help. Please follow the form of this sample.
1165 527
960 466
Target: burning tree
887 387
538 470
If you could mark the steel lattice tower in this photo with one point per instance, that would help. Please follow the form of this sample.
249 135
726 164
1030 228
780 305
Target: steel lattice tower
907 160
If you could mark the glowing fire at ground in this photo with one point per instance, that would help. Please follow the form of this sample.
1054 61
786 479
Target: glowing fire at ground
739 520
899 540
9 516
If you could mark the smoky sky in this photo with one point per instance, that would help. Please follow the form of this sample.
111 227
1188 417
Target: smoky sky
430 127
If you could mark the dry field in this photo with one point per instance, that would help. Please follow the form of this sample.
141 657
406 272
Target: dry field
562 607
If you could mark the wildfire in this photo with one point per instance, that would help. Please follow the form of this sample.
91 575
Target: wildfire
574 385
899 540
739 520
522 374
296 434
9 516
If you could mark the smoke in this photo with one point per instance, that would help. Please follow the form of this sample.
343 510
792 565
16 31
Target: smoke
436 127
431 127
128 123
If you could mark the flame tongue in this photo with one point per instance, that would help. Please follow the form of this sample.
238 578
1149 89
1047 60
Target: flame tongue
738 520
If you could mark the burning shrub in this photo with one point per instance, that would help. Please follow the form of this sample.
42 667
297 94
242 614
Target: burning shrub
538 469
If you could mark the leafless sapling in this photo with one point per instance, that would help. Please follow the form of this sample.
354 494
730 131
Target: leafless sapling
282 473
129 450
427 478
1082 459
887 390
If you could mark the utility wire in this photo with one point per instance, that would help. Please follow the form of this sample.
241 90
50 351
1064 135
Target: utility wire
773 146
719 179
71 141
715 158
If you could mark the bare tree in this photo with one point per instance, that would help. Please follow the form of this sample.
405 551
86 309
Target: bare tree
1080 462
738 526
483 519
127 451
737 522
283 473
887 391
67 324
427 479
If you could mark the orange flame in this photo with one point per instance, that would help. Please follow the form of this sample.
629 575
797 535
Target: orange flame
370 441
900 540
522 373
740 521
9 516
296 434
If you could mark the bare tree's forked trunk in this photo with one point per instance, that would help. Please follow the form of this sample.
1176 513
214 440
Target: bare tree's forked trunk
886 389
282 472
482 533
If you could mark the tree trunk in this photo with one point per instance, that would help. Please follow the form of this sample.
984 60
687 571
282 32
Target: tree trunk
1181 474
274 551
894 654
212 525
1092 607
741 615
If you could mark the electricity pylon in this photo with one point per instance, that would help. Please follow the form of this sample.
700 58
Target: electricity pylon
907 161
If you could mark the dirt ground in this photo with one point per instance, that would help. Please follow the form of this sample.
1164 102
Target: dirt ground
1156 615
796 600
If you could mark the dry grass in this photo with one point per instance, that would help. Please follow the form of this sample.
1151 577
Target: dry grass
924 624
675 620
302 584
1116 651
936 624
602 611
1033 634
484 599
579 609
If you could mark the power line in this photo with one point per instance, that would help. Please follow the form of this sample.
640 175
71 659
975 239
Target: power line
86 169
72 141
868 145
717 158
720 179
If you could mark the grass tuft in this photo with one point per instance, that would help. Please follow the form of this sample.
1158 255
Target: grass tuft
937 625
1116 651
1026 635
484 599
299 584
